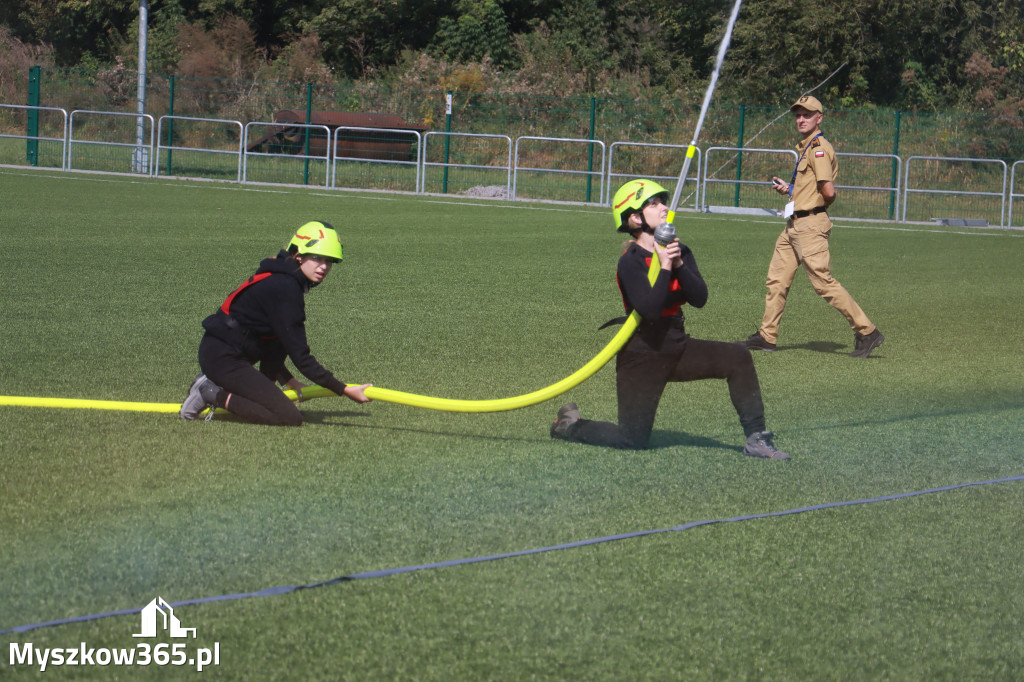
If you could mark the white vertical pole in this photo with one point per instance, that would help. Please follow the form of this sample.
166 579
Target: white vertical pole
141 160
704 109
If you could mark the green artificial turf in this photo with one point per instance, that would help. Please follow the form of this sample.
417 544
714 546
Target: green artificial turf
106 279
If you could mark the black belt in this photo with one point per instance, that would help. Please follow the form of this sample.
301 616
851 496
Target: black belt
813 211
232 323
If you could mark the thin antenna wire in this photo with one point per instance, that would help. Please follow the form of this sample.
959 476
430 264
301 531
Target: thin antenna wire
770 124
775 120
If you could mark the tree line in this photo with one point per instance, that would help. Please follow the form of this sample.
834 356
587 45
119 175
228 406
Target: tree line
925 55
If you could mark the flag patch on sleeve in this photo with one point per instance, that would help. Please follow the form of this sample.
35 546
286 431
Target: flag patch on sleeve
819 154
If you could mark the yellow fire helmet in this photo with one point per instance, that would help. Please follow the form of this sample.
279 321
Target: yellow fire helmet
630 199
317 238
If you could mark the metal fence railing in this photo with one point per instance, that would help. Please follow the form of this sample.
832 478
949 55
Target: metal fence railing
874 180
187 139
727 178
122 137
289 163
653 119
32 150
367 153
651 160
724 179
975 187
1014 193
552 156
480 156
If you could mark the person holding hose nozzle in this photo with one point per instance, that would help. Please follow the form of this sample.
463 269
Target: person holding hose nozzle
660 351
263 321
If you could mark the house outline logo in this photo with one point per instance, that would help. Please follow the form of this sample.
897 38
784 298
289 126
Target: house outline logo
170 622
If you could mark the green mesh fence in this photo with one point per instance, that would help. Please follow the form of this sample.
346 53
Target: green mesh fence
867 138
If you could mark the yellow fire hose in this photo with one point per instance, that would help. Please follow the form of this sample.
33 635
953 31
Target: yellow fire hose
27 401
386 394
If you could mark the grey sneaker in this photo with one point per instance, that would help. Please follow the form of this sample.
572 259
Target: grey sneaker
756 342
568 415
201 395
760 445
863 344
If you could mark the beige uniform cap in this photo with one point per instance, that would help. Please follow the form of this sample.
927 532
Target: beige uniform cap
809 103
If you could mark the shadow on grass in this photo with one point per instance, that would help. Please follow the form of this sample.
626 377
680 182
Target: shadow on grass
660 439
329 417
830 347
338 419
1009 405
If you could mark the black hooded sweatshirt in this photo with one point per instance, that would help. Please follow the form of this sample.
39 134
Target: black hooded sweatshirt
264 320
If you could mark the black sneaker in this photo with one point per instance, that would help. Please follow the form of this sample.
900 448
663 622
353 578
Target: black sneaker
760 445
756 342
863 344
201 395
568 415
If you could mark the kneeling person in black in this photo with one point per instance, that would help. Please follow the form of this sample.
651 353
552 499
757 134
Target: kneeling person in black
660 351
263 321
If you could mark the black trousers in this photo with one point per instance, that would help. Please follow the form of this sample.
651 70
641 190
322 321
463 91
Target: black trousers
255 397
641 378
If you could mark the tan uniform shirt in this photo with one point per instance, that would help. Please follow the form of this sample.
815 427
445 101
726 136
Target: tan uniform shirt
818 163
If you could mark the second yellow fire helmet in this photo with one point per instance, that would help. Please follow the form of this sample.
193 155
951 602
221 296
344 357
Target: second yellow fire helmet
630 199
317 238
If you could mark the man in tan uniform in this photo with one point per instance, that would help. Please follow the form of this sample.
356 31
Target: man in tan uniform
805 239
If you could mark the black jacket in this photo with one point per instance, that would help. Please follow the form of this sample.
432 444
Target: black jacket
264 320
661 329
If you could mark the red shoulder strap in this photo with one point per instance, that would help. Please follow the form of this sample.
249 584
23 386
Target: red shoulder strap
226 306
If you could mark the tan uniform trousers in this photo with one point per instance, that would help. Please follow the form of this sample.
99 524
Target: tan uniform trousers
805 242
